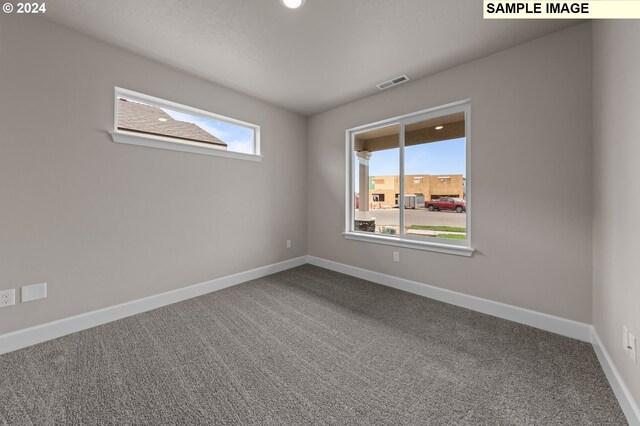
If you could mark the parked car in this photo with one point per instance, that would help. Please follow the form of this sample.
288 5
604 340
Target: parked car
447 203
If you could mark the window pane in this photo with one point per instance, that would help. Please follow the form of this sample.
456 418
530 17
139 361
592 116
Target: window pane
376 173
435 167
152 120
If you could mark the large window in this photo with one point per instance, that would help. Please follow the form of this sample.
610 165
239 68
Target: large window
407 181
144 120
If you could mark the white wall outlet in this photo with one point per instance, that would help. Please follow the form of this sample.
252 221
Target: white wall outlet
396 256
288 243
34 292
625 339
632 348
7 298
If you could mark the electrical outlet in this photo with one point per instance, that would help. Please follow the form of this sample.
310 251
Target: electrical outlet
7 298
396 256
625 339
632 348
288 243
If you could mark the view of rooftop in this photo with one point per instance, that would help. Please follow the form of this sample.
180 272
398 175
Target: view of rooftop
151 120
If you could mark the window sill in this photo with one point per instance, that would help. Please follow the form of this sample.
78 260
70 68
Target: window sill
412 244
184 146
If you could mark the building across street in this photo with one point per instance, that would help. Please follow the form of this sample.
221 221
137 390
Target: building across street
384 191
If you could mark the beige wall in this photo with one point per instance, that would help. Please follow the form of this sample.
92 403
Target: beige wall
104 223
616 292
530 131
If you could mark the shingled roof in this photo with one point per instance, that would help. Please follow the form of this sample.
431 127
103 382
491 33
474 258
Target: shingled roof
151 120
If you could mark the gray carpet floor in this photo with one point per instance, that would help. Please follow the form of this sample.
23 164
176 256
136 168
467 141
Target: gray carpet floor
308 346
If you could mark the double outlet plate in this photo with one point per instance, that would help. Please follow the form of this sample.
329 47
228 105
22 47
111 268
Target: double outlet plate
28 293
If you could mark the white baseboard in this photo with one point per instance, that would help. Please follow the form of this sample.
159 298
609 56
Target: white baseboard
620 389
30 336
558 325
41 333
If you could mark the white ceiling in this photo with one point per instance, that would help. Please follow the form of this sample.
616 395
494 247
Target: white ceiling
308 60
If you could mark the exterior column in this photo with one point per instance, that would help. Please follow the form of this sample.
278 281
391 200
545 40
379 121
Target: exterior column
363 219
363 191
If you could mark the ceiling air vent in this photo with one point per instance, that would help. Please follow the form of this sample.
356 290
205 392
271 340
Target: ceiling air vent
393 82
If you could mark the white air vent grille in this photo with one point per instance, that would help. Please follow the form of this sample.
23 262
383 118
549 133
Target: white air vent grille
393 82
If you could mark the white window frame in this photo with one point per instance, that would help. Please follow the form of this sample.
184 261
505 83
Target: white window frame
162 142
456 247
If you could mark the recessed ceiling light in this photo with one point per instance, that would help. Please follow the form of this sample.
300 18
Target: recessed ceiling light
439 127
293 4
162 119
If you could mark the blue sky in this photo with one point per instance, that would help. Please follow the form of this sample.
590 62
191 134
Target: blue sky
237 138
435 158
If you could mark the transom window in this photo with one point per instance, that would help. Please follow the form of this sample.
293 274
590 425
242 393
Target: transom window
407 181
141 119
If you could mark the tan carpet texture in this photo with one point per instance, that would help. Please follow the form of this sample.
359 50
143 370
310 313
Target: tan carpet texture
307 347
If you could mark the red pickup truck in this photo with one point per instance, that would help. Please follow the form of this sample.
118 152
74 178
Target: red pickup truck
447 203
